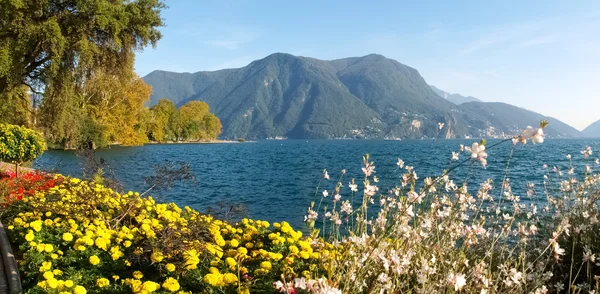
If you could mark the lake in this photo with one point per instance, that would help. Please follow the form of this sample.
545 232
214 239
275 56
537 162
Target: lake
277 180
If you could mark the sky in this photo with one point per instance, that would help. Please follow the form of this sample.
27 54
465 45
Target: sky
539 55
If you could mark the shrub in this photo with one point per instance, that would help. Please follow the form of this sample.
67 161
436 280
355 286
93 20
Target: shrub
19 144
81 236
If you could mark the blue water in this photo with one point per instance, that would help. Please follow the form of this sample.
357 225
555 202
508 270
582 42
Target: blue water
276 180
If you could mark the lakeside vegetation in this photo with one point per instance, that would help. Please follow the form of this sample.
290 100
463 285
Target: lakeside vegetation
66 69
434 235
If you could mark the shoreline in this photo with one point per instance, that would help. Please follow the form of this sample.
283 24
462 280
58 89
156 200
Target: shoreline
195 142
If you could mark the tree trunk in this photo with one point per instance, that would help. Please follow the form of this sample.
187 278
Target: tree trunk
3 85
16 170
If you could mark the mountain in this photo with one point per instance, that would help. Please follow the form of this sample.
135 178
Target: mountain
497 119
454 98
592 130
283 95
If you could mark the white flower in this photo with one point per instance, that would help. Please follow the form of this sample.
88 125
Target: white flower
458 281
300 283
414 197
441 125
478 152
337 197
400 163
538 136
587 152
371 190
516 276
346 207
557 250
353 187
325 193
312 215
326 175
455 155
569 156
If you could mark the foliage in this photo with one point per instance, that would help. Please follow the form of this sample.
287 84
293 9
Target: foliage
83 237
19 144
41 40
190 122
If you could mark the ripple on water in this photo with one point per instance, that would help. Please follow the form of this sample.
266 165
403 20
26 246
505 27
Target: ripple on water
276 180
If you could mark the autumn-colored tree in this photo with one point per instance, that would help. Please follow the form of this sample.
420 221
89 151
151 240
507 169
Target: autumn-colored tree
158 125
192 120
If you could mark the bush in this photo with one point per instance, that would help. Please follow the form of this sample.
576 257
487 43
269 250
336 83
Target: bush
19 144
82 237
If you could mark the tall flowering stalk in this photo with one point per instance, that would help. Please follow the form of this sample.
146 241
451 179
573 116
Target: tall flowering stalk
433 235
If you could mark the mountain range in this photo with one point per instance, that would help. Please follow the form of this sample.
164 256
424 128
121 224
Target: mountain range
289 96
592 131
454 98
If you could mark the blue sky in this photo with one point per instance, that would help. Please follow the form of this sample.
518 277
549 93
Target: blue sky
539 55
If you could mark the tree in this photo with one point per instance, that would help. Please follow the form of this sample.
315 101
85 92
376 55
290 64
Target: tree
19 144
192 120
41 40
161 115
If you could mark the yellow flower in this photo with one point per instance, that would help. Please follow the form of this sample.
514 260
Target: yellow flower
243 290
304 255
191 259
229 278
170 267
230 261
46 266
294 249
94 260
171 284
156 257
102 282
79 290
68 283
30 236
48 275
48 248
52 283
266 265
234 243
68 237
150 286
36 225
138 275
213 279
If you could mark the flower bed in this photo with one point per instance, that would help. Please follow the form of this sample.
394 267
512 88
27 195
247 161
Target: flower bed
73 236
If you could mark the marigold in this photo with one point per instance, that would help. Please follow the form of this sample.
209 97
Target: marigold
94 260
171 284
68 237
170 267
102 282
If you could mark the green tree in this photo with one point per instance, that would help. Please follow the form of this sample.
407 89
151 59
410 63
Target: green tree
41 40
19 144
192 125
159 124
